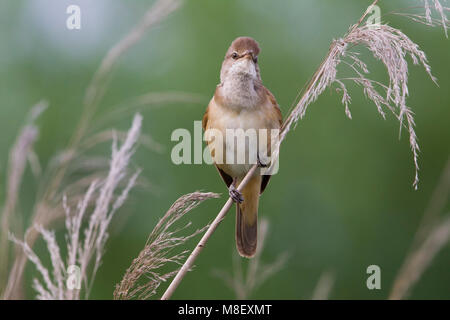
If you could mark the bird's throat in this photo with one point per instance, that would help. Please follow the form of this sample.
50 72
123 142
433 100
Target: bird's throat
240 91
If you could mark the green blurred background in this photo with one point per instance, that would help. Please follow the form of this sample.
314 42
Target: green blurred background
342 199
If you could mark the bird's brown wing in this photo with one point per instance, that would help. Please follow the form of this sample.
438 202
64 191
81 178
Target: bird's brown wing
274 103
226 178
277 112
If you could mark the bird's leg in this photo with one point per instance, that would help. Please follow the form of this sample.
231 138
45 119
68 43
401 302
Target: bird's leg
235 195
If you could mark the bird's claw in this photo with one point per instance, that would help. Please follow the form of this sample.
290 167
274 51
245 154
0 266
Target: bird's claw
235 195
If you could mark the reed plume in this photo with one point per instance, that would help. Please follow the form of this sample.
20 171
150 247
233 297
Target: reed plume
85 245
158 251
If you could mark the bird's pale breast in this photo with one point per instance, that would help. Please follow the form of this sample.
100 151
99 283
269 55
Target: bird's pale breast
251 121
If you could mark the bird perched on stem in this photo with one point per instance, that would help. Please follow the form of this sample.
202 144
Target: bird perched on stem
241 123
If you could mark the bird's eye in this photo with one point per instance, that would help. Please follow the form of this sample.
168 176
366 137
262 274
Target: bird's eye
234 55
255 59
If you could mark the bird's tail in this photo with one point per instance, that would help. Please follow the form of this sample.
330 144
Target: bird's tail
247 218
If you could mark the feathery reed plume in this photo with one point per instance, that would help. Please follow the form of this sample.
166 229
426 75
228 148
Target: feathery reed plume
18 156
427 17
391 47
387 44
49 208
257 273
440 9
432 235
158 251
86 253
324 286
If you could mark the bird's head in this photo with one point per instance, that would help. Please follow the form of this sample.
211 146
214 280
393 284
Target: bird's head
241 60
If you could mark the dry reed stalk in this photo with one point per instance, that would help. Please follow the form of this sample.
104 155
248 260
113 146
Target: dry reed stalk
324 286
85 246
387 44
96 89
419 260
158 251
18 156
439 199
49 207
432 235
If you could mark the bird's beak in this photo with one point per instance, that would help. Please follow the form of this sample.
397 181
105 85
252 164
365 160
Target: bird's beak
248 55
